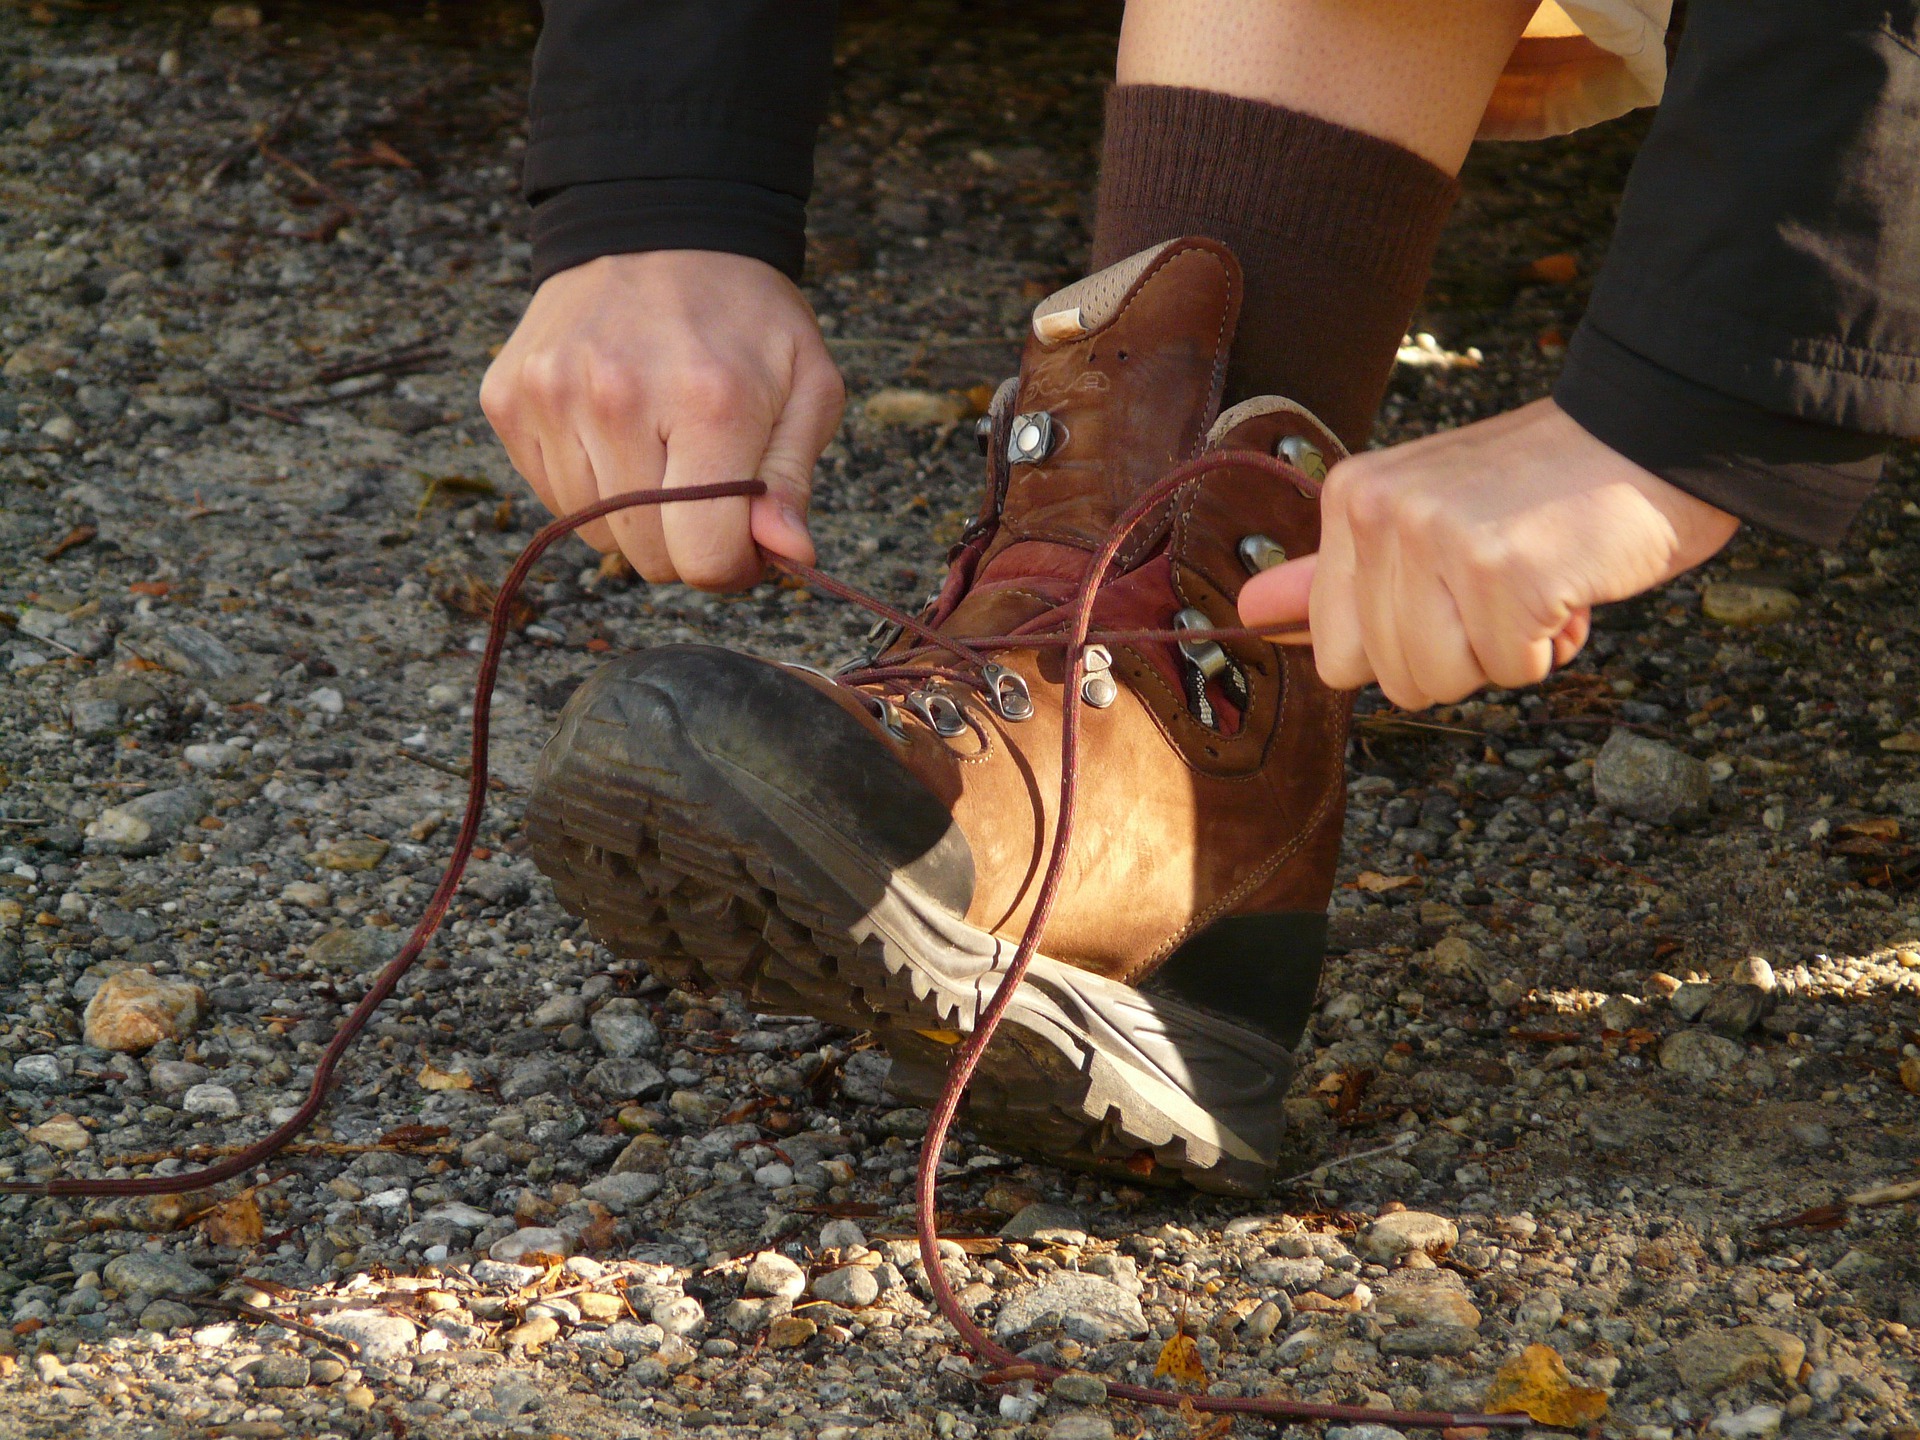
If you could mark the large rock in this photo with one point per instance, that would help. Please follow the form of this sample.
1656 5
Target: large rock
145 824
379 1335
357 948
622 1030
621 1193
1427 1297
1709 1361
853 1286
627 1079
1054 1224
143 1272
133 1011
1408 1230
192 652
773 1274
1085 1306
1734 603
1699 1054
1650 781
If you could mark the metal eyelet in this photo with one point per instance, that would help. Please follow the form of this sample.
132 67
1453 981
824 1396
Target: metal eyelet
1303 455
1206 656
1098 687
983 432
942 715
1008 692
889 716
1261 552
1032 438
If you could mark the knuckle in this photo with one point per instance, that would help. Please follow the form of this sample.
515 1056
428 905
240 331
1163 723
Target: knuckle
709 392
1370 503
499 400
609 390
1489 552
541 379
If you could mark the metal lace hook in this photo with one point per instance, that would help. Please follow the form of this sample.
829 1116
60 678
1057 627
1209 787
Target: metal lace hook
1008 692
940 712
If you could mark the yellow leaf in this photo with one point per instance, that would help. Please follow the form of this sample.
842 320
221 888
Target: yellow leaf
1536 1383
432 1077
1373 882
1180 1361
234 1222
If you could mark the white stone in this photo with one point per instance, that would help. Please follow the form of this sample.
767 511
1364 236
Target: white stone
210 1099
1407 1230
1755 1423
38 1069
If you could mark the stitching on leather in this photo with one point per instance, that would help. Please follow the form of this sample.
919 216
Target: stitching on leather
1130 555
1266 871
1068 538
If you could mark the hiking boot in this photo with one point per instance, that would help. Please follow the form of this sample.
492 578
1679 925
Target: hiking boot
868 849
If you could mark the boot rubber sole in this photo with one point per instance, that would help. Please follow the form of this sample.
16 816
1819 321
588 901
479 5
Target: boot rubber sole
715 879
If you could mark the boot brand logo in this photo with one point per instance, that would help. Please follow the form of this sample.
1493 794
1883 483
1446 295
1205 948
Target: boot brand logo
1044 385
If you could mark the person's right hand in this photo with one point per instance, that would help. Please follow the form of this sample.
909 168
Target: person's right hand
671 368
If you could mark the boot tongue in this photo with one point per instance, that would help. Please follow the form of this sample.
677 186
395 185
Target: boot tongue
1120 381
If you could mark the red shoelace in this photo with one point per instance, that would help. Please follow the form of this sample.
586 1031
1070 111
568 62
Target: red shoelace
971 656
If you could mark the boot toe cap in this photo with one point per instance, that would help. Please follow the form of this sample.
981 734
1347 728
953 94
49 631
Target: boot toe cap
758 748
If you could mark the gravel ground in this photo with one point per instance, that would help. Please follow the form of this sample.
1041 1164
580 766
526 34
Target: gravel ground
252 276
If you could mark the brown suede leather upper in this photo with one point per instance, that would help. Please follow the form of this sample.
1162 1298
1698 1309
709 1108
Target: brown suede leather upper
1178 824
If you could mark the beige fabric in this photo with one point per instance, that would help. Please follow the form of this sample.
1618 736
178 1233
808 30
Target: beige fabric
1086 305
1580 62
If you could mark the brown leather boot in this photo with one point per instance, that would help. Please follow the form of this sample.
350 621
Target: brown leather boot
868 850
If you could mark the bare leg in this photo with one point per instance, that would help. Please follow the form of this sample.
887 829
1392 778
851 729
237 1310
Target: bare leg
1415 72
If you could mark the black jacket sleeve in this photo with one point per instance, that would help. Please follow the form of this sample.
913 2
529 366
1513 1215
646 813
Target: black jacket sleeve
676 124
1754 335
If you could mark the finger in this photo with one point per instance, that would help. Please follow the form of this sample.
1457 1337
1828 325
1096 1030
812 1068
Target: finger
1502 627
1376 601
778 519
507 413
1432 642
1279 597
1572 638
624 457
709 541
1331 610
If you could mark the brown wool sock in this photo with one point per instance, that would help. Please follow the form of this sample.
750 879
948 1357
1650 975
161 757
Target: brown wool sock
1335 229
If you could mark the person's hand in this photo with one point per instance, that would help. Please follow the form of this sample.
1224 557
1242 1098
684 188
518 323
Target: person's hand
1475 557
671 368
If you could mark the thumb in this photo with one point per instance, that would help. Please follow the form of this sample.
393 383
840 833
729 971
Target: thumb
1278 597
778 519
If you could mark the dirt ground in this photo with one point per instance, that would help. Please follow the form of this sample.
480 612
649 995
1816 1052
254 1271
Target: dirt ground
250 278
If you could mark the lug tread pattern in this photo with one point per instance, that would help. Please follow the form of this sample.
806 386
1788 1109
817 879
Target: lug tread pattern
656 881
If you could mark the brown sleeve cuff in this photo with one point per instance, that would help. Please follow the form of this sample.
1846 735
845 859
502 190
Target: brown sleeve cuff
1796 477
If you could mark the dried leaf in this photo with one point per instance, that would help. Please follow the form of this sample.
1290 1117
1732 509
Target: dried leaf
385 154
234 1222
432 1077
415 1134
1878 827
1892 1193
1561 269
1536 1383
600 1237
79 535
1180 1361
1374 883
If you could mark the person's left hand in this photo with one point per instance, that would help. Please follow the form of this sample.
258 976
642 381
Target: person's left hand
1475 557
